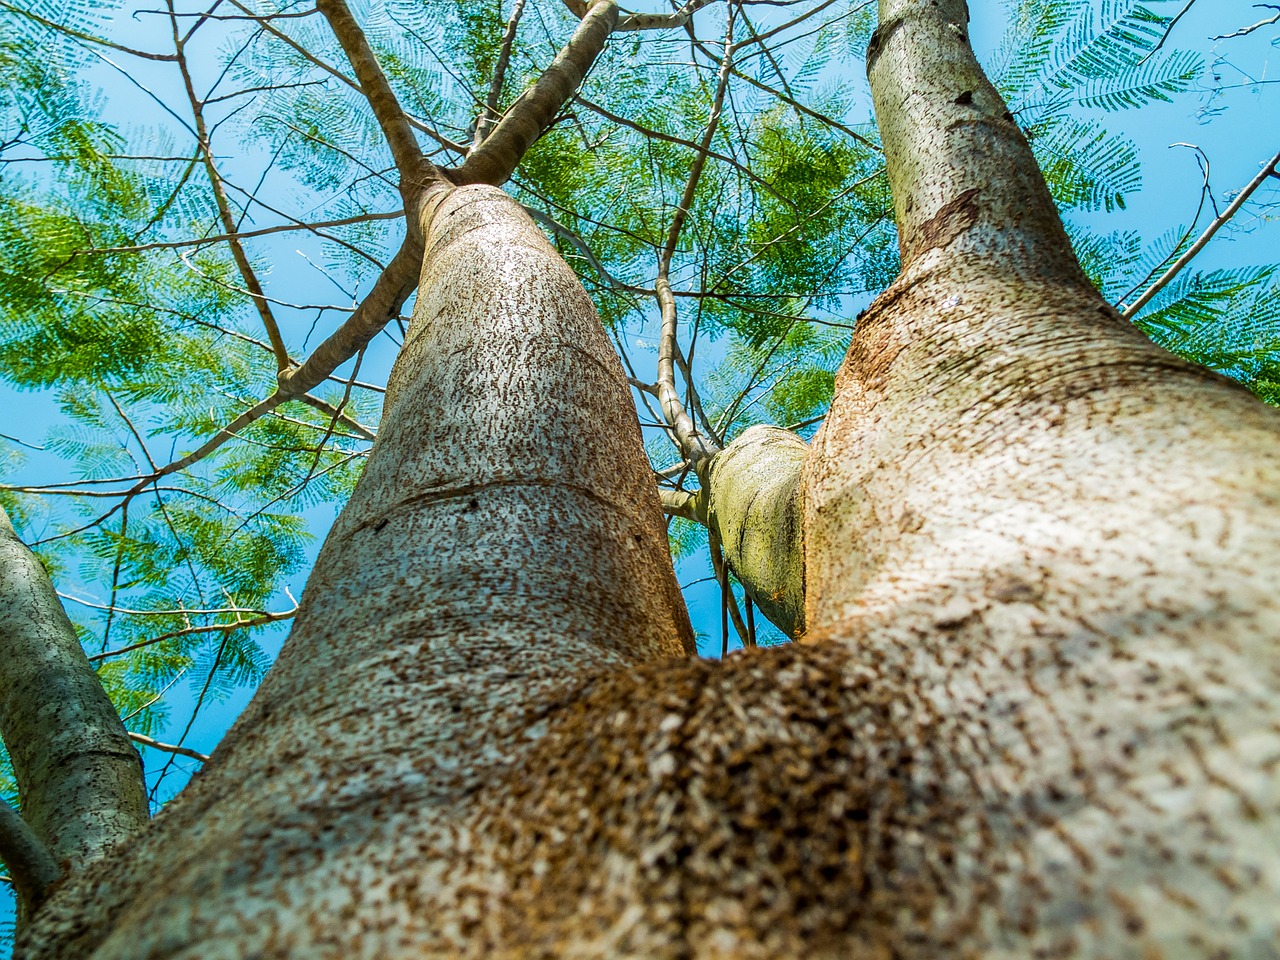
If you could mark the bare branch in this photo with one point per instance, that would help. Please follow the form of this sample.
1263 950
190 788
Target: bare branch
489 117
229 224
414 167
168 747
390 291
247 234
1245 31
693 445
1180 264
87 37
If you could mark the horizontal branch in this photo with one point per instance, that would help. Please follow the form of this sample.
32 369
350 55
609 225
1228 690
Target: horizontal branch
190 631
168 747
247 234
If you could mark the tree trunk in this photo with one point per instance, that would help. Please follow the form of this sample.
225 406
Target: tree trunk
505 533
1035 715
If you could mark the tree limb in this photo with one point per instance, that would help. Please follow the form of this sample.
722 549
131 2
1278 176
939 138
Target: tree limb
32 869
489 117
496 159
694 447
1268 171
414 167
168 747
79 777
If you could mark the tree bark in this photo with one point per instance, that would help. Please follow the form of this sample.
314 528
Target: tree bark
505 535
79 777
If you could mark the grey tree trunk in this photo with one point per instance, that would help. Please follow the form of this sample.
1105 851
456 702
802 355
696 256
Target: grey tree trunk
1035 714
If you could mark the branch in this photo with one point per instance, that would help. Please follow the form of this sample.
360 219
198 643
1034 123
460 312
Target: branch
1268 171
693 446
486 121
414 167
390 291
496 159
168 747
247 274
246 234
1245 31
682 503
32 869
79 777
339 417
663 21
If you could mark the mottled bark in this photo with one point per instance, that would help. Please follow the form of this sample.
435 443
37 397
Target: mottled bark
79 777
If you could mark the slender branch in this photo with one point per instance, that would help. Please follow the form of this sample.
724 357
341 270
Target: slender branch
338 416
238 254
190 631
168 747
659 135
247 234
489 118
1245 31
1180 264
32 869
693 445
728 600
383 303
414 167
1168 30
561 230
495 160
87 37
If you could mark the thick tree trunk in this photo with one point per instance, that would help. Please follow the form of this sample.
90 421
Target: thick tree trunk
1040 556
505 534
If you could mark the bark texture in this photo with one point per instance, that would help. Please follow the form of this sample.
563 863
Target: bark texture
79 777
756 509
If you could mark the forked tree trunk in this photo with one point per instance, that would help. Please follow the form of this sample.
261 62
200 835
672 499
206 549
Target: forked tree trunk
1036 715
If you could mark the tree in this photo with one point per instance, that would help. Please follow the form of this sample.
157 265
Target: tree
1034 706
